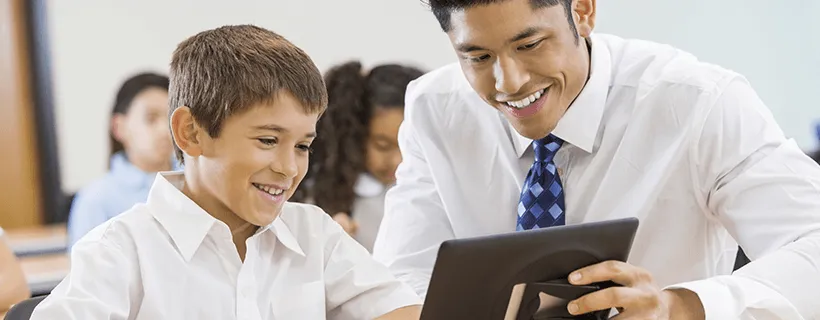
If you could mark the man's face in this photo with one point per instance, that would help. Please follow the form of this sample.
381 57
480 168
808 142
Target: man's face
527 63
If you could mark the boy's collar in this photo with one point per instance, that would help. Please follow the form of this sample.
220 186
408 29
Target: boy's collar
188 224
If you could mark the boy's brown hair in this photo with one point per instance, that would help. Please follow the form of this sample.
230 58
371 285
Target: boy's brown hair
224 71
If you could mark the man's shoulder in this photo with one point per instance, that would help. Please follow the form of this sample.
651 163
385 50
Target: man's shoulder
648 65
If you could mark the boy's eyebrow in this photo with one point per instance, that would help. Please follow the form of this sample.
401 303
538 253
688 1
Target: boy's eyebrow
275 128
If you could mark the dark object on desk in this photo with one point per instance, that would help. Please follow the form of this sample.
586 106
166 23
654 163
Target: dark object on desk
23 310
498 277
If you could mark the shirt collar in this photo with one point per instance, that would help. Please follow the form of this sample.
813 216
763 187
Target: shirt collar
127 173
280 228
579 125
188 224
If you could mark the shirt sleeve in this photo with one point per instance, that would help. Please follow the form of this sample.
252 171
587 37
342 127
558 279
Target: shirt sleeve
356 286
102 284
766 192
415 222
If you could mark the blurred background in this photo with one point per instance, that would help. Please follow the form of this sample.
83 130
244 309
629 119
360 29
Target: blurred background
61 63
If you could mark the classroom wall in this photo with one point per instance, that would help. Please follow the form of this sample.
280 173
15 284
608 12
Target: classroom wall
98 43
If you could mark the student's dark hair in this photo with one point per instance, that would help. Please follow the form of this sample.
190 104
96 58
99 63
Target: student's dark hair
128 91
339 150
224 71
442 9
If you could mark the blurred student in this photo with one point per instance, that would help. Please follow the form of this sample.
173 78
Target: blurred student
219 240
357 151
13 285
140 147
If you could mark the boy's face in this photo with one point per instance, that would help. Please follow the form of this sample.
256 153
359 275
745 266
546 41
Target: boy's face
256 163
527 63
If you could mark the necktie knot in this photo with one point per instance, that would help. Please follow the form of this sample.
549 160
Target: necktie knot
546 148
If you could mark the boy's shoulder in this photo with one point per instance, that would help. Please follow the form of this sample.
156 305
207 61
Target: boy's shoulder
120 230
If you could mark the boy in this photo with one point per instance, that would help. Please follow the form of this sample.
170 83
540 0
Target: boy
219 240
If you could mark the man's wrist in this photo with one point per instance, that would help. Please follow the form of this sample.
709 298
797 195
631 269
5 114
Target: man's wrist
683 304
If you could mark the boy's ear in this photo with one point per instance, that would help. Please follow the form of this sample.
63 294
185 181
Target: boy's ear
118 127
185 132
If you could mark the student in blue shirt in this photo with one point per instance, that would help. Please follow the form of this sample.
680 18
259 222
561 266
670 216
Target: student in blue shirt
140 147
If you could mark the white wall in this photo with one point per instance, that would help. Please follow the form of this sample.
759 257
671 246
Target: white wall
96 44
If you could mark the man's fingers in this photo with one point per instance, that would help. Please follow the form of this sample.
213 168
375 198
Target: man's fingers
615 271
613 297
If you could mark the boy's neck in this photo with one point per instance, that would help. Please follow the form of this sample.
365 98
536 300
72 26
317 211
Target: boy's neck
240 229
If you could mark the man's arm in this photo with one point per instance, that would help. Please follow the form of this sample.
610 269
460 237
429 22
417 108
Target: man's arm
101 285
766 192
415 222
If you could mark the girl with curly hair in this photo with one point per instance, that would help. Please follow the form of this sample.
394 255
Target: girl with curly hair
356 152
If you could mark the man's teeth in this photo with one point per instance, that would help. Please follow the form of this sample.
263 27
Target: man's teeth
268 189
523 103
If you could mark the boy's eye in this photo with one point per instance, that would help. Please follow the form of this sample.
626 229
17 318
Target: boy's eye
305 148
267 141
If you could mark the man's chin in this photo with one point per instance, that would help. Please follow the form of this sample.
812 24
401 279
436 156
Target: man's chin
533 130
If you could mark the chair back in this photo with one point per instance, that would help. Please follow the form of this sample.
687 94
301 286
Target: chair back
23 310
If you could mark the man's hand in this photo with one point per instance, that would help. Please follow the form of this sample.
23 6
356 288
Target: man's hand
639 298
347 223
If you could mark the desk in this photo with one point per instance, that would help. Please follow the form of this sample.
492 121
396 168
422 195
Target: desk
37 240
44 272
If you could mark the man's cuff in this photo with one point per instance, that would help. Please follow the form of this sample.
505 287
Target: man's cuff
716 298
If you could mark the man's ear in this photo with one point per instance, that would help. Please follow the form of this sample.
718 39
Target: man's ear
185 132
583 12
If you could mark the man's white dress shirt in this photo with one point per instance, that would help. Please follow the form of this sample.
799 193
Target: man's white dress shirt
169 259
685 146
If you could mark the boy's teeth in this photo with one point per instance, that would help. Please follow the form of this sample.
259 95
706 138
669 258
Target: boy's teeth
269 190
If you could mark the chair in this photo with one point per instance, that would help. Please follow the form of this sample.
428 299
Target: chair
23 310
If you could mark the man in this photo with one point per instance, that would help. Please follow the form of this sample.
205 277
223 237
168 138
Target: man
635 129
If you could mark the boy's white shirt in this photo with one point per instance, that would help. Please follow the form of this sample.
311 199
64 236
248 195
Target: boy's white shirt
169 259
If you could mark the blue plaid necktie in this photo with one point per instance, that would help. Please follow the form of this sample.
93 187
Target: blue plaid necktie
542 197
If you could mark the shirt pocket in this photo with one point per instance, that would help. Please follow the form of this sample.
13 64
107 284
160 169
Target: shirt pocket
306 301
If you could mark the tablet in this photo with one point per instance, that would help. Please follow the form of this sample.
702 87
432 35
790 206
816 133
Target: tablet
495 277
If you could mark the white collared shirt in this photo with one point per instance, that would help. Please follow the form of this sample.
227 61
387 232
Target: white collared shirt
686 147
169 259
